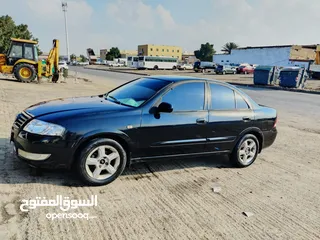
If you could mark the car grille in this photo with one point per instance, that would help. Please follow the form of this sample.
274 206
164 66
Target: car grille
21 119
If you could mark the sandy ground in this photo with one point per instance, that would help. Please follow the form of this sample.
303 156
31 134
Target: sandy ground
171 199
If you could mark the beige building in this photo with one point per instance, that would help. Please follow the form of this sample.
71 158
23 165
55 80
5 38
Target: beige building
127 53
103 54
188 57
160 50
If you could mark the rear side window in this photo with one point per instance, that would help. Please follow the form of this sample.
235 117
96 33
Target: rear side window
222 98
186 97
241 103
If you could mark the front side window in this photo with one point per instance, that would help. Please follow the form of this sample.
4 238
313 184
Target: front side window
222 98
135 93
16 51
186 97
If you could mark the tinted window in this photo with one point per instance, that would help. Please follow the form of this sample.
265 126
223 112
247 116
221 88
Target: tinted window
28 52
241 103
186 97
222 98
137 92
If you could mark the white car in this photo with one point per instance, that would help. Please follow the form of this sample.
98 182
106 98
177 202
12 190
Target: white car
116 65
185 66
63 65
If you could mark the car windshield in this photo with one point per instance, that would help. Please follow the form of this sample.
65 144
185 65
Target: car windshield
135 93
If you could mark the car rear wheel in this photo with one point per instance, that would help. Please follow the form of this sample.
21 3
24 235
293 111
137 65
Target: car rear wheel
246 151
101 162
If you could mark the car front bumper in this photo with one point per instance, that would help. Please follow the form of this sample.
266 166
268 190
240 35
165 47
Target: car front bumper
42 151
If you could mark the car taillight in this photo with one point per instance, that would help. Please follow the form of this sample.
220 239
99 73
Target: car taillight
275 122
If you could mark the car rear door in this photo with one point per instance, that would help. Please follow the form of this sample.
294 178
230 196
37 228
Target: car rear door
229 115
181 132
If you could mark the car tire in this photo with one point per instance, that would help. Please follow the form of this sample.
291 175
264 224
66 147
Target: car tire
156 67
245 152
113 161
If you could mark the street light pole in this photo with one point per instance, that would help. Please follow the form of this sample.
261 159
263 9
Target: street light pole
65 9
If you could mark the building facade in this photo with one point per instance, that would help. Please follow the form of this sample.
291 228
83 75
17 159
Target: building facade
103 53
281 56
127 53
189 58
160 50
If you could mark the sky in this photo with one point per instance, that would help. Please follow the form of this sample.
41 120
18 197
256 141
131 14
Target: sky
126 24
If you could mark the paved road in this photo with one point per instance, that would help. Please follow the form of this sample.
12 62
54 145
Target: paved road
292 106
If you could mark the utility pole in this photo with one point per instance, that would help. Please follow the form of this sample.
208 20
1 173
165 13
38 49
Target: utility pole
65 9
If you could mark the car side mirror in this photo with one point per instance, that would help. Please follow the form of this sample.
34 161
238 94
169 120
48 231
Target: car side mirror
165 107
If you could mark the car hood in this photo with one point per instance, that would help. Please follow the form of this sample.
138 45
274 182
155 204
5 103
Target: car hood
71 104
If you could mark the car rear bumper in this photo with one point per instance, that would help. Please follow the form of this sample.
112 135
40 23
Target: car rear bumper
269 137
43 151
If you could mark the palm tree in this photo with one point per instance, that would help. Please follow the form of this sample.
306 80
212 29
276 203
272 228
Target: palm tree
228 47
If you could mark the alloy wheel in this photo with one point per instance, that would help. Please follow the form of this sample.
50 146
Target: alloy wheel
247 152
102 162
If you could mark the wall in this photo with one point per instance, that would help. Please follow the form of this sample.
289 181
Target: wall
160 50
277 56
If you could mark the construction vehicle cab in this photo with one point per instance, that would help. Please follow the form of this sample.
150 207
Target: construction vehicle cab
22 61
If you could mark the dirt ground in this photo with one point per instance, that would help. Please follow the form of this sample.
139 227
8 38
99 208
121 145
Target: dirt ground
165 200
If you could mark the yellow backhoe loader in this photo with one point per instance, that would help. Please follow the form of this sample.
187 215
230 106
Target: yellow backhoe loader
22 61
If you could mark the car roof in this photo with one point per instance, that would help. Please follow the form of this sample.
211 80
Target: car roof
173 78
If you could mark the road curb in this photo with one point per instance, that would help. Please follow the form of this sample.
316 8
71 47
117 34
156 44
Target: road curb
110 70
275 88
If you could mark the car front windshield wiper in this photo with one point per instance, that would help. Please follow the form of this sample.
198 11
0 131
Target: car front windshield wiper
114 99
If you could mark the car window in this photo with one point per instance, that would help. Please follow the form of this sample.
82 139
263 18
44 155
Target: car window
241 103
186 97
135 93
222 98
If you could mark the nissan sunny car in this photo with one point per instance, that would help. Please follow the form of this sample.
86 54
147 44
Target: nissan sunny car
145 119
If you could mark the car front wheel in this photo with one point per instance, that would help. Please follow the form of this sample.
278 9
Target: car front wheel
101 162
246 151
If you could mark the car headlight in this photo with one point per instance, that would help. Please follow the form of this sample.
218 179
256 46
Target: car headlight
44 128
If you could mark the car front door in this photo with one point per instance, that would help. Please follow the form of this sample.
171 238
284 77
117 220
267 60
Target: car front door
180 132
229 115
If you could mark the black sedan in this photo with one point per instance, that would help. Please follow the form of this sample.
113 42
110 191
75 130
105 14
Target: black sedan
145 119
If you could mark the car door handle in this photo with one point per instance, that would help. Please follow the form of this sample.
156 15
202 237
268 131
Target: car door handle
201 121
246 118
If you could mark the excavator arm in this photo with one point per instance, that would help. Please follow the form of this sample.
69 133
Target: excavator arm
52 63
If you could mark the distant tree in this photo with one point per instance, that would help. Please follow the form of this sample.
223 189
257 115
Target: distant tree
113 53
228 47
83 58
8 30
205 53
73 57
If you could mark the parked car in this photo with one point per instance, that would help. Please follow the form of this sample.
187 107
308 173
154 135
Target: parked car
245 69
149 118
199 66
62 64
225 69
185 66
116 64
